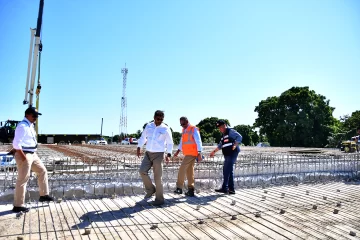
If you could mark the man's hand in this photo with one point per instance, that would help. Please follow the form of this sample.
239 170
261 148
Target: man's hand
199 157
12 152
212 154
22 155
234 146
167 159
138 152
177 153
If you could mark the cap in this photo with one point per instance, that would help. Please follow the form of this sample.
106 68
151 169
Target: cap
32 110
220 123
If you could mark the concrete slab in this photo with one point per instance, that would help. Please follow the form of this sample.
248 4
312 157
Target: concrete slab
286 212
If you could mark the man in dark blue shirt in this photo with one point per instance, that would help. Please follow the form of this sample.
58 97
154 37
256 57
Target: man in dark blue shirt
229 144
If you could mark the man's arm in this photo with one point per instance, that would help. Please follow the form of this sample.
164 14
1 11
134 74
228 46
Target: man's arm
18 140
236 136
141 141
197 139
198 142
169 141
179 147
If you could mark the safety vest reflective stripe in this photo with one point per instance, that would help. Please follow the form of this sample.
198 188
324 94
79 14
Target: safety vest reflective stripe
190 133
226 136
226 145
189 146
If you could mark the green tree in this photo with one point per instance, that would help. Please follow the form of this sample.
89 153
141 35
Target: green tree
263 139
255 137
116 138
176 137
249 136
138 134
351 123
344 129
298 117
208 129
338 133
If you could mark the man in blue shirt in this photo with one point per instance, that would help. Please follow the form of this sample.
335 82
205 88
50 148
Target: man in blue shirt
229 144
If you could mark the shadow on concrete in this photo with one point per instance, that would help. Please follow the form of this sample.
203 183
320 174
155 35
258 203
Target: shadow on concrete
6 212
127 212
101 216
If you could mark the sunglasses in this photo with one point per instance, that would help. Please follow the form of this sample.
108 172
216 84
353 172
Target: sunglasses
183 124
34 116
159 119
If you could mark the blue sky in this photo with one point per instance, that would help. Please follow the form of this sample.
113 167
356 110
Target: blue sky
199 58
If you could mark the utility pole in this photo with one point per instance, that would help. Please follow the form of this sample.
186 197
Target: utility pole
101 128
123 117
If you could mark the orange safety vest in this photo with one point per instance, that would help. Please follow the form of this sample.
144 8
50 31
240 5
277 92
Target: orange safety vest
188 142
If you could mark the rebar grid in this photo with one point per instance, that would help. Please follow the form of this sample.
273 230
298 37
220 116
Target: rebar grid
107 170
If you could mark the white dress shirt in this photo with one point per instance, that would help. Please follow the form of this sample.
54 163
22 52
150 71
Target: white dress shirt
25 136
156 137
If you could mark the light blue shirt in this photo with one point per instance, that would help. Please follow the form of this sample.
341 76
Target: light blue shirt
197 139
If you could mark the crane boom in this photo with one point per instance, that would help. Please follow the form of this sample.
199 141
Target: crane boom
32 64
34 58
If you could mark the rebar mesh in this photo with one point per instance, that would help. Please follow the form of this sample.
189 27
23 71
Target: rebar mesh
108 170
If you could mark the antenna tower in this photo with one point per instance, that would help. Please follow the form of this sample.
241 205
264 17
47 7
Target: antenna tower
123 117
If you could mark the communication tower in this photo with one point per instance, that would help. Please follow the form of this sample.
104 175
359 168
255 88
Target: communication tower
123 117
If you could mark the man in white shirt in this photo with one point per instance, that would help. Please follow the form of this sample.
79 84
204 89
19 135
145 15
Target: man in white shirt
25 144
158 138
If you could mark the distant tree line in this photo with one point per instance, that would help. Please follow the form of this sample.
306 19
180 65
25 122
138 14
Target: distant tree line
299 117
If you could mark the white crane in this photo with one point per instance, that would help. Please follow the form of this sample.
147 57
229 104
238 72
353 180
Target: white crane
34 58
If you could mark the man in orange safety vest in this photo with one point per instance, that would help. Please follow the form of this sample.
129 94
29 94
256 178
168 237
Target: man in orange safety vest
191 146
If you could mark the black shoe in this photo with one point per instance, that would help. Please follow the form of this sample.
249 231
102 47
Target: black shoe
20 209
156 203
178 191
231 191
221 190
46 198
190 193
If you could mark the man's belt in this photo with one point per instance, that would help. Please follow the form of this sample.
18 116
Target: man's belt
28 152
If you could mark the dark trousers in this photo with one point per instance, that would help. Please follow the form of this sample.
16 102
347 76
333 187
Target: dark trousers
228 171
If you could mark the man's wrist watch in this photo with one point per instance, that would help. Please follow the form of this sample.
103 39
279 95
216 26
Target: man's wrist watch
169 155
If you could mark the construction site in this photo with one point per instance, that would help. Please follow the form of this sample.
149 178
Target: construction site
280 194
